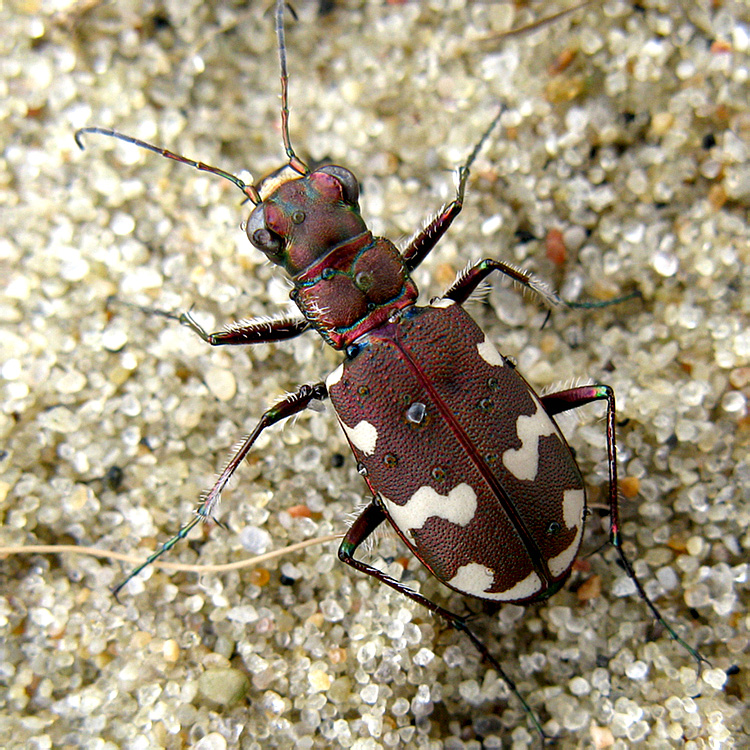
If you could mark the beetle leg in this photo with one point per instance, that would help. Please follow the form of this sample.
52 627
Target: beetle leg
422 244
292 404
365 524
256 331
556 403
469 280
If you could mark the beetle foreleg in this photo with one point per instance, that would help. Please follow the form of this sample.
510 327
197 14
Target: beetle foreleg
256 331
292 404
423 243
365 524
556 403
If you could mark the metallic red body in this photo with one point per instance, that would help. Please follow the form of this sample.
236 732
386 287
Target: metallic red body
346 281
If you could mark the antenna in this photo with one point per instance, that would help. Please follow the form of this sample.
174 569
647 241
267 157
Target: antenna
251 193
294 161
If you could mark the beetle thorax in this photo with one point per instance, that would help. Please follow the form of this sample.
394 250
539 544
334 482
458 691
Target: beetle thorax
346 281
356 287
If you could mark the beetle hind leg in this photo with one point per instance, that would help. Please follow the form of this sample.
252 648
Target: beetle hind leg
365 524
556 403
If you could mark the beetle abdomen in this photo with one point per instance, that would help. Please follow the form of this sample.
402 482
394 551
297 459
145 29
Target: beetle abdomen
468 466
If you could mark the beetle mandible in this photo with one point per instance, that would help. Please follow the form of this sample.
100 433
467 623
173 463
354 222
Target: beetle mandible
462 457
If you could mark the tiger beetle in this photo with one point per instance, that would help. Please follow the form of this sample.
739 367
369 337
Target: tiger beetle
462 457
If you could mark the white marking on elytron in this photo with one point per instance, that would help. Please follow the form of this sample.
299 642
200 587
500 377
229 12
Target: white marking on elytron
475 579
523 462
574 502
489 354
441 302
334 377
363 436
458 506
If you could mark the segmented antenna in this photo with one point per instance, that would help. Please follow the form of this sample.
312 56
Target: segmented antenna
294 161
250 191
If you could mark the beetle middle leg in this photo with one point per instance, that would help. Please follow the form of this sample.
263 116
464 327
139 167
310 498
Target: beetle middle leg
365 524
557 403
259 330
292 404
469 280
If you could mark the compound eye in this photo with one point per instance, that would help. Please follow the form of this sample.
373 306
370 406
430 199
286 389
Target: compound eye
260 236
349 184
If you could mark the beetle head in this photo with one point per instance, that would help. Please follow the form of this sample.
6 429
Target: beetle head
304 219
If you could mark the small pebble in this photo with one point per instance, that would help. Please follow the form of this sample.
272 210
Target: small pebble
223 687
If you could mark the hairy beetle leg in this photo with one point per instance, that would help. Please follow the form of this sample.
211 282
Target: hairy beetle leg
557 403
596 304
256 331
292 404
467 282
365 524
